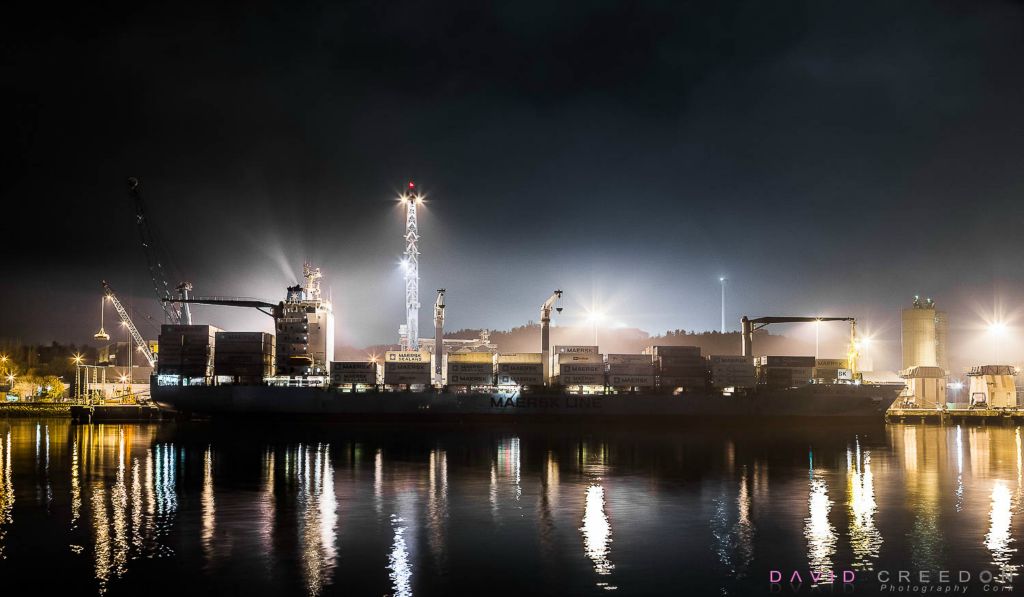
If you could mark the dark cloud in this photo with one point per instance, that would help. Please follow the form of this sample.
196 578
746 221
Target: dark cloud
826 156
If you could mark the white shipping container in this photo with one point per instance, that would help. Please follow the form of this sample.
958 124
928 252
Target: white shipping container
406 356
630 381
589 357
572 349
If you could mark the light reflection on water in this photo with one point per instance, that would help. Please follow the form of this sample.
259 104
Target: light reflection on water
326 512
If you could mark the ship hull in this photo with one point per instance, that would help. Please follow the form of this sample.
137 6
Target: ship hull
866 402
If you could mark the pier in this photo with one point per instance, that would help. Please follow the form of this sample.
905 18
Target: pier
975 415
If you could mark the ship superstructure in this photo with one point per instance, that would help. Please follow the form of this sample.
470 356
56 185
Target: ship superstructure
305 329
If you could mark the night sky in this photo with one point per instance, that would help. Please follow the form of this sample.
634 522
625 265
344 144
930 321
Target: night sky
830 158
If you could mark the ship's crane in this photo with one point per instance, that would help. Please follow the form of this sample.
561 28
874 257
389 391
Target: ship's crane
176 314
438 334
545 331
749 326
274 310
134 331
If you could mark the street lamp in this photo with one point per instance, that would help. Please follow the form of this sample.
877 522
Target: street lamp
77 360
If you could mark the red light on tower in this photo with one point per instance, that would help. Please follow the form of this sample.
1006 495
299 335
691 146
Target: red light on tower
412 185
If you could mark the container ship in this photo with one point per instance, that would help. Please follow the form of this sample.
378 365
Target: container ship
205 371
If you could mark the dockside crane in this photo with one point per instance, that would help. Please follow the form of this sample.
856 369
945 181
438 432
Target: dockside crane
545 331
176 314
438 334
134 331
749 326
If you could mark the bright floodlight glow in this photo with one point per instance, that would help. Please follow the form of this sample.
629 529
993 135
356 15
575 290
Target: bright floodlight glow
596 316
997 327
957 385
124 379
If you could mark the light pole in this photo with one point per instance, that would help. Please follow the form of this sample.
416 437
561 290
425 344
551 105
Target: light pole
817 337
722 281
77 359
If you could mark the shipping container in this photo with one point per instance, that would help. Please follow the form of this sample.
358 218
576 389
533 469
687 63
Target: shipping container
572 349
406 373
676 381
675 351
470 373
471 357
631 369
581 369
523 374
353 372
521 357
580 380
631 381
470 379
580 358
406 356
730 359
785 361
630 359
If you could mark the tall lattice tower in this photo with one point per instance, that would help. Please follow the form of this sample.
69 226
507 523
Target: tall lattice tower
410 332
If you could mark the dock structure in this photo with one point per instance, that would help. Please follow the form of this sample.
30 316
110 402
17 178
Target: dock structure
954 415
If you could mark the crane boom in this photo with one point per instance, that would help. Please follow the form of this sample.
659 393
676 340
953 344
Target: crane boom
749 326
271 309
134 331
545 331
175 314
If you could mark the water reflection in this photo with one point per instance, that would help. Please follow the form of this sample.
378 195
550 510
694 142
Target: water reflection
597 533
400 572
318 517
818 530
437 504
999 538
209 506
6 490
865 538
394 515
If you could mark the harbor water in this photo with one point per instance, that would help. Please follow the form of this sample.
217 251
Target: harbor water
216 509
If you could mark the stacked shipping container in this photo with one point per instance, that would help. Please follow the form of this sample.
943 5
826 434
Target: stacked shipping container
784 371
244 357
187 351
521 369
407 368
630 371
470 369
680 366
352 373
